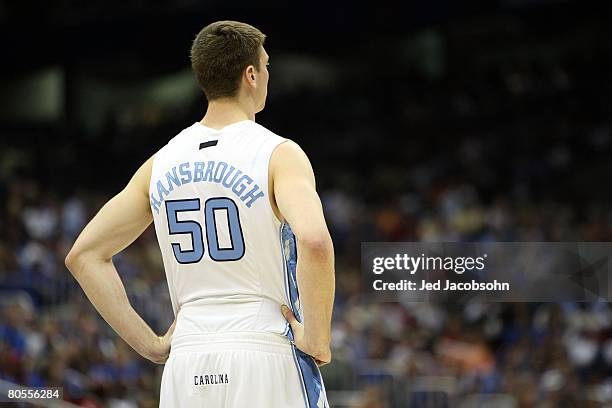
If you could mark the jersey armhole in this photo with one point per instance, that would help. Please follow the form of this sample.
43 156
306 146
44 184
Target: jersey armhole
270 186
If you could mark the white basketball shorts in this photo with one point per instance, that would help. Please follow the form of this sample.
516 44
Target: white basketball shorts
239 370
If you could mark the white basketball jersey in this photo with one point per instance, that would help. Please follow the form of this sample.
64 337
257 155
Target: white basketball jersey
219 237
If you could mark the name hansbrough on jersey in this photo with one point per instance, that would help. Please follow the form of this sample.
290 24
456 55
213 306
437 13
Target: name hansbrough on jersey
222 245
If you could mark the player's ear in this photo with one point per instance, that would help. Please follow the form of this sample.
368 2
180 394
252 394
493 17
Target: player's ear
250 75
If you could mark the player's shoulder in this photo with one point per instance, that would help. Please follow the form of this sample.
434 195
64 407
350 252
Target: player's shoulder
287 153
177 138
290 149
174 145
284 143
181 141
257 130
184 134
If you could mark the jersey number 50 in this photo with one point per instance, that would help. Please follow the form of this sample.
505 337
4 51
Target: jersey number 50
176 226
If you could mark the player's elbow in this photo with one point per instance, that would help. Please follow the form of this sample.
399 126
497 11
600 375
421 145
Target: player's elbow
76 259
318 244
72 260
79 259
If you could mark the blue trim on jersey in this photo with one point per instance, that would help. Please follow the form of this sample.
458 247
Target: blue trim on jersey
312 382
289 248
299 370
284 261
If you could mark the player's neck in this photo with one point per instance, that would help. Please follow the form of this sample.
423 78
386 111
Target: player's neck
221 113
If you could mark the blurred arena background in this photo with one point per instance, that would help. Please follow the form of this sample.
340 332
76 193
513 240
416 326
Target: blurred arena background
428 121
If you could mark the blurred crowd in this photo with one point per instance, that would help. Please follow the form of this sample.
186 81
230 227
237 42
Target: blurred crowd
505 154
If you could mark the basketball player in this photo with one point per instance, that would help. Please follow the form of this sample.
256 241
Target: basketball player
233 204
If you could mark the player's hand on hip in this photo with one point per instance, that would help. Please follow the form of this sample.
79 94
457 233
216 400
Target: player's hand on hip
320 353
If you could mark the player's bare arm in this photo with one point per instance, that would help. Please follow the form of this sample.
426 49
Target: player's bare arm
299 204
120 221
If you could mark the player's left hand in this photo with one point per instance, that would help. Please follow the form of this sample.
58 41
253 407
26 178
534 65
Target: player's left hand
320 353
